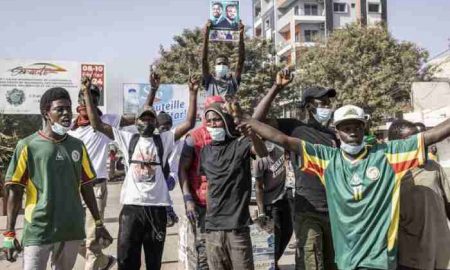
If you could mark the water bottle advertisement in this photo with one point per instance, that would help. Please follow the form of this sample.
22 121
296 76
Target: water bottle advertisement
170 98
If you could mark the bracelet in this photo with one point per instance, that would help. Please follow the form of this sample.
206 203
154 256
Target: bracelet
9 234
98 223
188 198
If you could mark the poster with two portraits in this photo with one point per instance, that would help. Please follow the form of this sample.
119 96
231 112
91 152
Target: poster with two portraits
224 16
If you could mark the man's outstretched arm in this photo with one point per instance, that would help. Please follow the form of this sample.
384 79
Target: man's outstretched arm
181 130
437 134
272 134
283 78
92 113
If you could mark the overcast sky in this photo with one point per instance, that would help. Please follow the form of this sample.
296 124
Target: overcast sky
126 34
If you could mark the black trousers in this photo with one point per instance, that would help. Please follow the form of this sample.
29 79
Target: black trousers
280 212
141 226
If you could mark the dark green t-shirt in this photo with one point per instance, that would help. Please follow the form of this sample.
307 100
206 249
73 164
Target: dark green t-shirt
52 173
363 198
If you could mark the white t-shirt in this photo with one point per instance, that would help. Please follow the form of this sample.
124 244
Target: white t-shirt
97 143
144 184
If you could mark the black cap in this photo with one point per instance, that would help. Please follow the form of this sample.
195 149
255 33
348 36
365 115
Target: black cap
316 92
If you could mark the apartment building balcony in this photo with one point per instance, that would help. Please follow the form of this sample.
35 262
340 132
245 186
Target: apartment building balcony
257 23
284 47
297 17
284 3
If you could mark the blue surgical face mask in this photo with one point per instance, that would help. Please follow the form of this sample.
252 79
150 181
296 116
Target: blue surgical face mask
221 71
60 129
322 115
217 134
352 149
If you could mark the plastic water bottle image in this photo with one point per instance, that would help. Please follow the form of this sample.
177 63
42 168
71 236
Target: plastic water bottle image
132 101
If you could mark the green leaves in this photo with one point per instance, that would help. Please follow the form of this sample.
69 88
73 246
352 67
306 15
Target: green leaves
366 66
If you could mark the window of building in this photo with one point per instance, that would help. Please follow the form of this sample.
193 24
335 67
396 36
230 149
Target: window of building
311 9
374 8
267 23
340 7
296 10
311 35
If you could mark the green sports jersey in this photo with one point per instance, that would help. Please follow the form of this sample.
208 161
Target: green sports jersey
363 198
51 173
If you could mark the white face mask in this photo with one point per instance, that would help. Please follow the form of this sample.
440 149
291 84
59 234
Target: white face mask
60 129
221 71
352 149
217 134
322 115
269 145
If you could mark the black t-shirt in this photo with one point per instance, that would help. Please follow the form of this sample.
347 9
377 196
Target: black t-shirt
227 168
309 192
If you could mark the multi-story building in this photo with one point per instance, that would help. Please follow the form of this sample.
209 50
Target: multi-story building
291 24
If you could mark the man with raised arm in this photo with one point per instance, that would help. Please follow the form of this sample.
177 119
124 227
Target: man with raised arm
362 184
314 247
144 195
223 82
97 145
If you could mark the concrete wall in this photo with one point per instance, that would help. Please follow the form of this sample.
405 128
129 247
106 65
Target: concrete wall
341 19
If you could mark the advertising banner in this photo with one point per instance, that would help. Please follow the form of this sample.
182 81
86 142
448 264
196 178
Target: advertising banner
224 16
170 98
23 82
97 73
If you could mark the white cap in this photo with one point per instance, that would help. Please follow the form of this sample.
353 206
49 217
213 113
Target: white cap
349 112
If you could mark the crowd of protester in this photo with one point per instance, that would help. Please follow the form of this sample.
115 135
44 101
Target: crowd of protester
349 200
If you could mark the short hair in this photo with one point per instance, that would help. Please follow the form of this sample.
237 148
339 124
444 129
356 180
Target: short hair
224 57
231 5
51 95
164 118
218 4
420 126
396 128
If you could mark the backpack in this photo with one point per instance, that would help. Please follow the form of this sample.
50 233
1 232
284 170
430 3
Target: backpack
159 148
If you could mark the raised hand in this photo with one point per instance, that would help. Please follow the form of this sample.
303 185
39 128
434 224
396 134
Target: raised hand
194 83
208 26
284 77
241 27
86 83
154 80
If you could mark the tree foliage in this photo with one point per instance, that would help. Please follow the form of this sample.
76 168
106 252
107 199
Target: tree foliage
13 128
366 66
184 57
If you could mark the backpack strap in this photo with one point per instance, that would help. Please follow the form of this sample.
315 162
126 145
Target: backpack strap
160 149
133 142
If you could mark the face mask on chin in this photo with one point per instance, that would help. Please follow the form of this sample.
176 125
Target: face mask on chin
217 134
59 129
145 130
221 71
352 149
322 115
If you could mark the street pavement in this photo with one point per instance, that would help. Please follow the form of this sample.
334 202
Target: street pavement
170 256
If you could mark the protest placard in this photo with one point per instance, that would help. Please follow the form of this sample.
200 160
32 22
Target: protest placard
170 98
224 16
